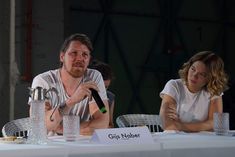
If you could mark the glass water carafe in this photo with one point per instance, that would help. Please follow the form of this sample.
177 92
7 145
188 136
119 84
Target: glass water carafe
38 131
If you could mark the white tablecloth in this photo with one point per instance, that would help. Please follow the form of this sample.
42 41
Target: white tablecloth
28 150
202 144
166 145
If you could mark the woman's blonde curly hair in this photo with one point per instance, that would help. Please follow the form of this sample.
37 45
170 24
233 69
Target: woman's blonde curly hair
217 78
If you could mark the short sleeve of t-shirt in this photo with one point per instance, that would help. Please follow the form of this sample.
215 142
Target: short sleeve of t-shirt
172 88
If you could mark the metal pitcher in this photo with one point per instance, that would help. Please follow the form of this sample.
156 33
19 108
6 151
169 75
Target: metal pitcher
40 93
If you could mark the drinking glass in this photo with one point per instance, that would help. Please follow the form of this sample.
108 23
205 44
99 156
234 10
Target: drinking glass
221 123
71 126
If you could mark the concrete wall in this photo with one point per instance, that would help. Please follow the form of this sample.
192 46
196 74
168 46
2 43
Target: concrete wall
4 61
47 36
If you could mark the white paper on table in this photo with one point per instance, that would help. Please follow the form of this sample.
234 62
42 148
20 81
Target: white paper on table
130 135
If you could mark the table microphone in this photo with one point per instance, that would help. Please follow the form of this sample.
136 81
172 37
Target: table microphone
98 100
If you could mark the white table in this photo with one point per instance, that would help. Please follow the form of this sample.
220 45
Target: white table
166 145
202 144
27 150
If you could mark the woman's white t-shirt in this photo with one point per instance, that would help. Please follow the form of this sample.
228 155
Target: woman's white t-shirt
191 107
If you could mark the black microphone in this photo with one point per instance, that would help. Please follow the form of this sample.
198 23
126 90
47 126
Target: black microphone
98 100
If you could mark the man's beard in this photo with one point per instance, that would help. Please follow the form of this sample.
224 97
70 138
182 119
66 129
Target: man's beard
76 73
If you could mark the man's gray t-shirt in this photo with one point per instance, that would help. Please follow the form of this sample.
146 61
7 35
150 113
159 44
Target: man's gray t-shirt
52 78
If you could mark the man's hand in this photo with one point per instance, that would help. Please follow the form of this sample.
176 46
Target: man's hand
82 92
47 106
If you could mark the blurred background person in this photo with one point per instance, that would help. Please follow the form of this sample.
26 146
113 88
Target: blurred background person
108 76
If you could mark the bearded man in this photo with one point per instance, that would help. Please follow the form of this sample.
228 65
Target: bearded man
74 81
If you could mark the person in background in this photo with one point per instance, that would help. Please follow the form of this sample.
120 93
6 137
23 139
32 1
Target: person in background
108 76
188 103
73 81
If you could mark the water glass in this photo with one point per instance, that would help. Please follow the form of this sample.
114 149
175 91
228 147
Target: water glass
71 126
221 123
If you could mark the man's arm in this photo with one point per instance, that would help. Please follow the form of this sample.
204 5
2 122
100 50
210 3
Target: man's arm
52 123
99 120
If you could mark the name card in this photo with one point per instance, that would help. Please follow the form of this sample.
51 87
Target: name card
130 135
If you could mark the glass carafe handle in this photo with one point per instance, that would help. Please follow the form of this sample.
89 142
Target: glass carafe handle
57 103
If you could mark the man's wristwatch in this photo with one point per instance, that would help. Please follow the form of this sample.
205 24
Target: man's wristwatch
61 108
